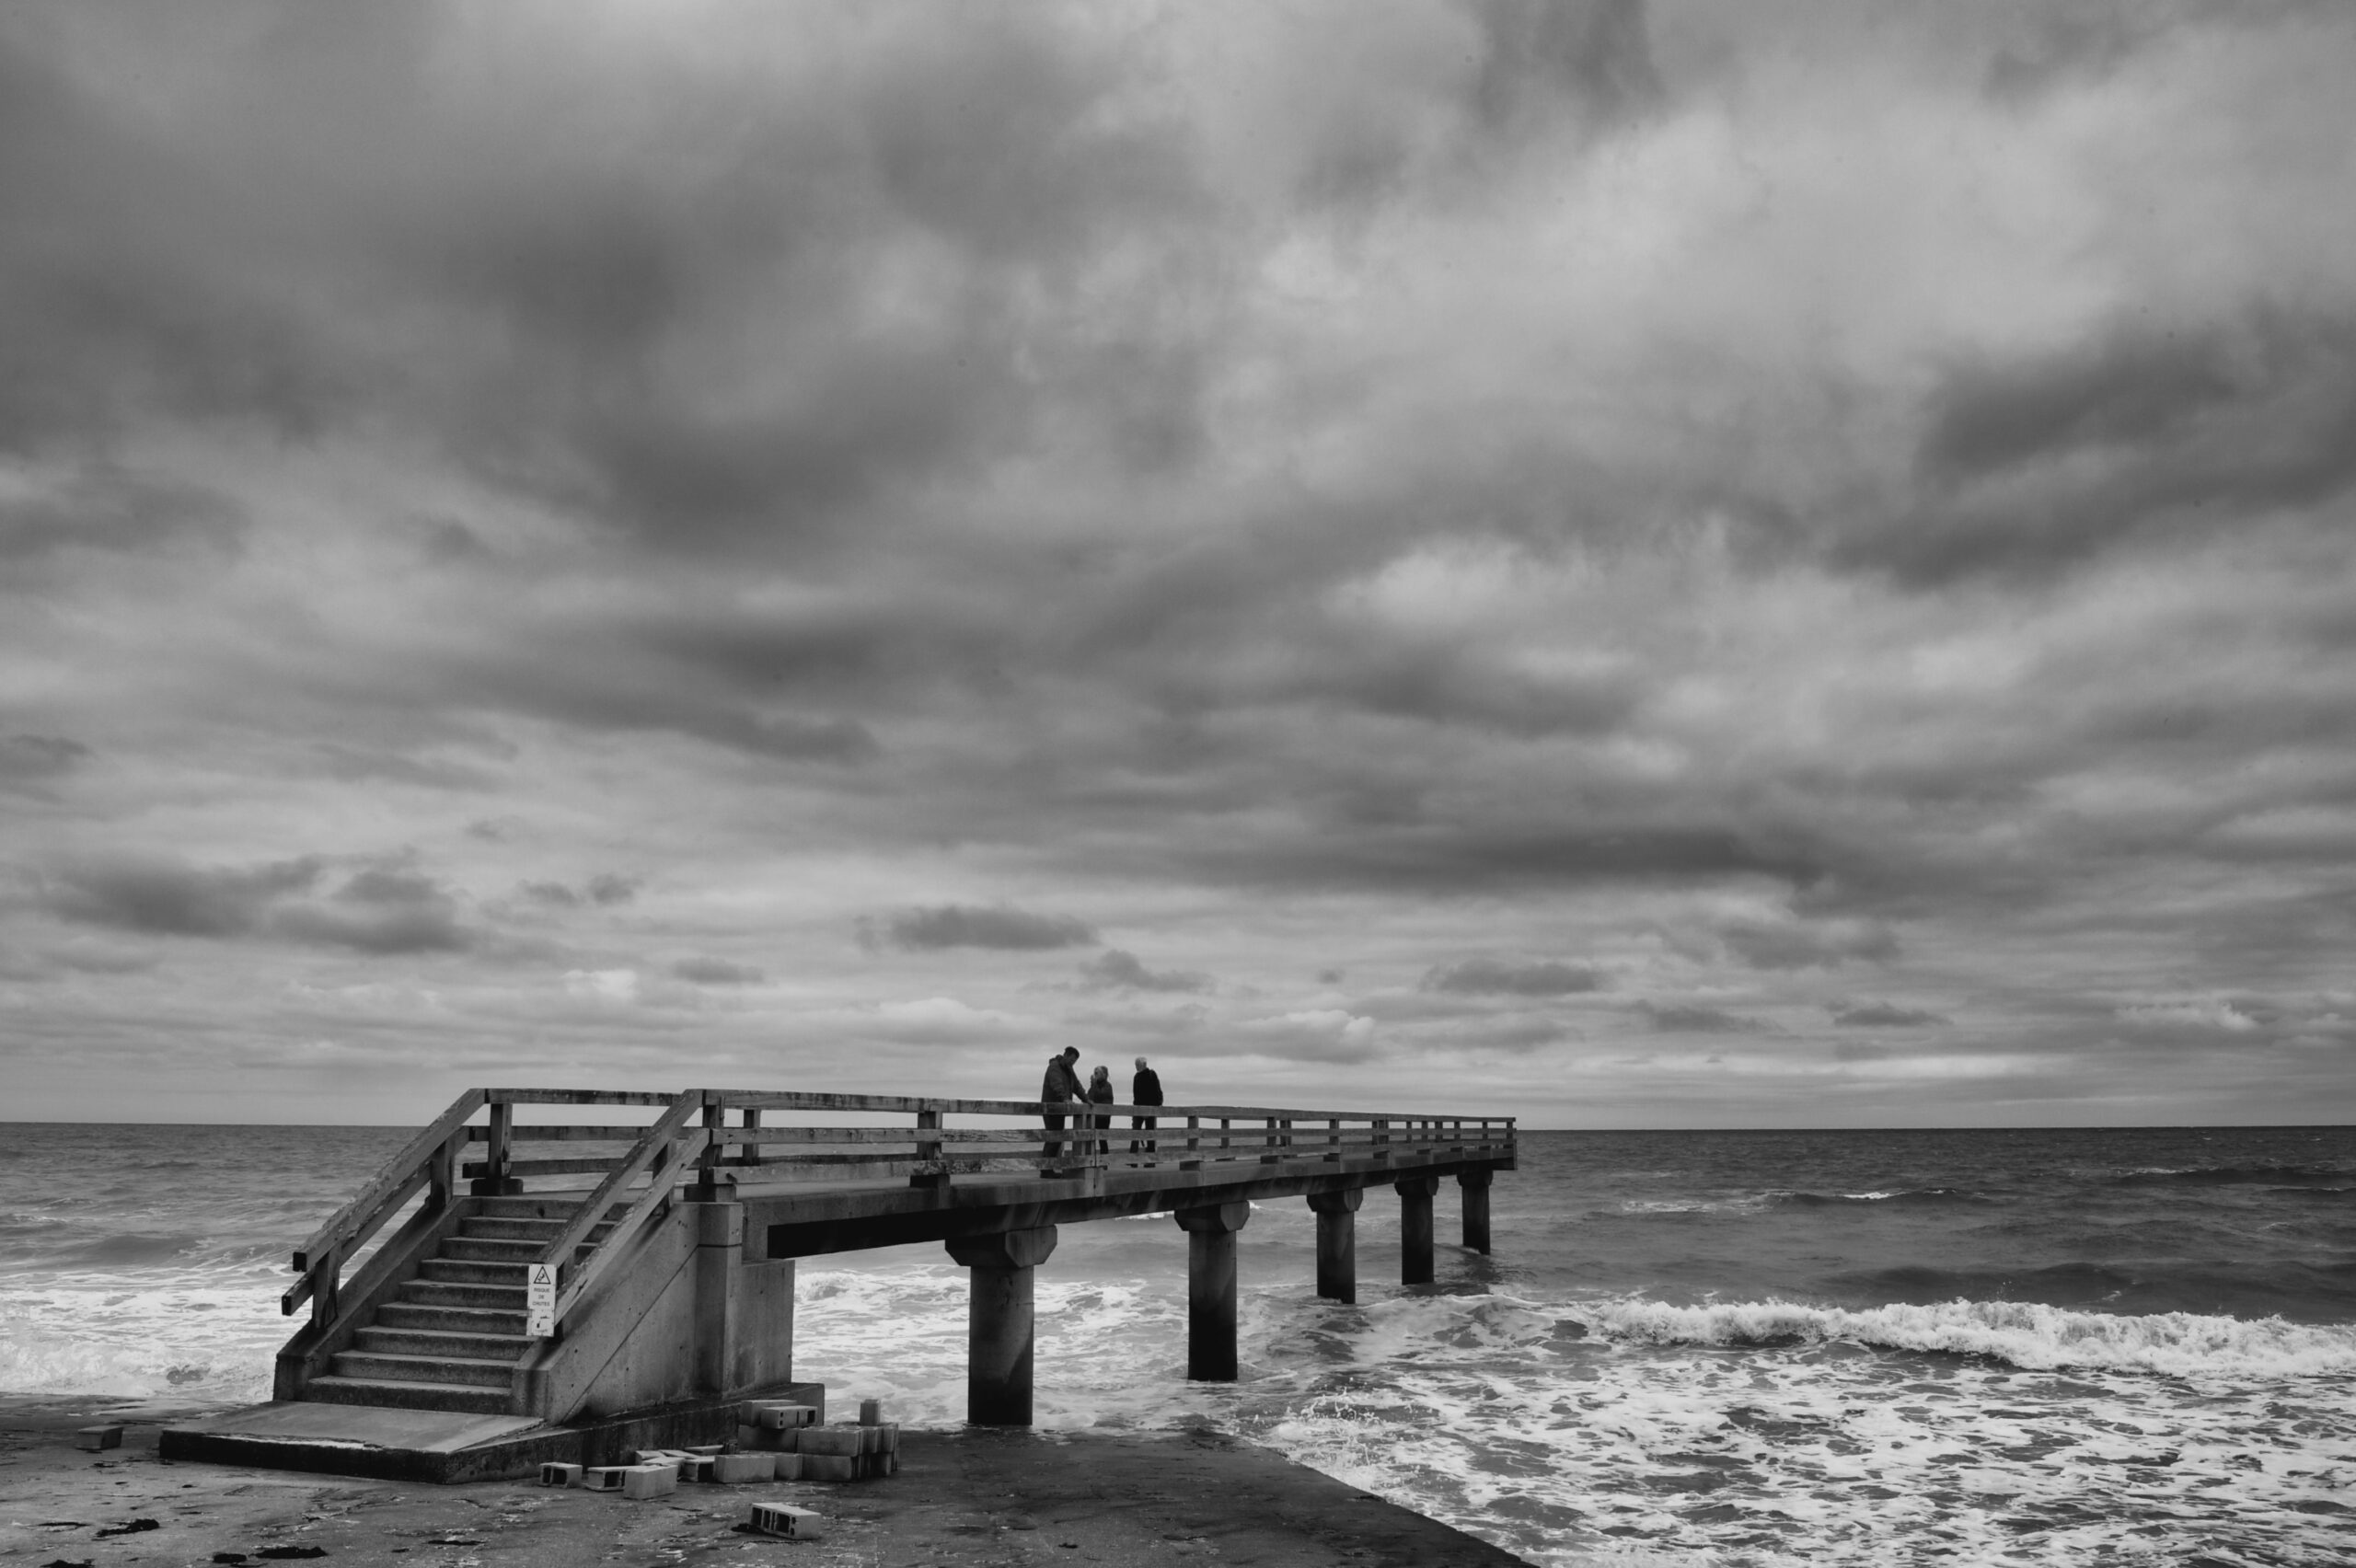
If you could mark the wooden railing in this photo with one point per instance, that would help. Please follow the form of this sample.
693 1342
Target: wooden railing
693 1138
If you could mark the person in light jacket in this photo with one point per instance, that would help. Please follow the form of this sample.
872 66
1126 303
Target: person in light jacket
1100 1091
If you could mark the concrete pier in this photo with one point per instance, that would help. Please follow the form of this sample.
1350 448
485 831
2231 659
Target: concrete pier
1475 1186
1337 1243
656 1285
1211 1288
1000 1323
1416 1228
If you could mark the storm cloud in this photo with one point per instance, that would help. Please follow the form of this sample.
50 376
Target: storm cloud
876 544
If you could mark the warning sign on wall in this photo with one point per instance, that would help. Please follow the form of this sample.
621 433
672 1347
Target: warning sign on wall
539 1300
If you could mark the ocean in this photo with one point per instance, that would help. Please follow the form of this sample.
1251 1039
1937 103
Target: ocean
1712 1349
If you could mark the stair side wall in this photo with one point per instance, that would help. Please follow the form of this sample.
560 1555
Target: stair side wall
682 1317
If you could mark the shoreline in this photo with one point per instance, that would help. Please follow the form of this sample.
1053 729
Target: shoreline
1004 1498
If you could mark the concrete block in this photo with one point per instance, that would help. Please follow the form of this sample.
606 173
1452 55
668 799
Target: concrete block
708 1450
784 1519
841 1442
789 1466
695 1466
884 1439
656 1480
95 1438
786 1441
735 1470
777 1416
829 1466
559 1475
603 1478
871 1412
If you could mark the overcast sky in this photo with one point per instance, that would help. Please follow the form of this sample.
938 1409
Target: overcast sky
1629 565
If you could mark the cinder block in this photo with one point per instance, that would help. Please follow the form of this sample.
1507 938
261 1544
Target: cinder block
829 1466
884 1439
695 1466
603 1478
787 1440
708 1451
789 1466
841 1442
656 1480
559 1475
95 1438
735 1470
777 1415
871 1412
784 1519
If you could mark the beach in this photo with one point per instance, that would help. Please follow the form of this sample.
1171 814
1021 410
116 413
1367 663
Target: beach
1007 1498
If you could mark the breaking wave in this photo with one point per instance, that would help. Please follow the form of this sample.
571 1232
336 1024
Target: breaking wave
2023 1334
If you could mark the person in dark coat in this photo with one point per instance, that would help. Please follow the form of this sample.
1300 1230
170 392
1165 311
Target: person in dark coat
1060 1085
1099 1092
1143 1090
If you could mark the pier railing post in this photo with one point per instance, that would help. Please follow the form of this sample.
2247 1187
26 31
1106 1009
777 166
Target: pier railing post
928 1149
495 1182
1337 1242
1000 1321
1416 1228
1475 1185
1211 1288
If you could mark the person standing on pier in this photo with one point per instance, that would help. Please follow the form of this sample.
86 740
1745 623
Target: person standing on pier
1143 1090
1060 1086
1099 1092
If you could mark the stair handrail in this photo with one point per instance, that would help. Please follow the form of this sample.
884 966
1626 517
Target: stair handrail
668 1139
324 1252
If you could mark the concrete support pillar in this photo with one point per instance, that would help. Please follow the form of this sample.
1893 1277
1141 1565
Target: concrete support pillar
1211 1288
1416 1228
998 1323
1337 1242
719 1252
1475 1186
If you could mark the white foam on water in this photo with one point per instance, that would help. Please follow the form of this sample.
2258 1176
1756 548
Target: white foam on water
202 1335
1604 1432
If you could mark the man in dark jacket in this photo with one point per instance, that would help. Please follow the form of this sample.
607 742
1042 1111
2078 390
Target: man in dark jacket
1143 1090
1061 1084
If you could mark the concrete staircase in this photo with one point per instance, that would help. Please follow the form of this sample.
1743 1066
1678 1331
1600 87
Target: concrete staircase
450 1338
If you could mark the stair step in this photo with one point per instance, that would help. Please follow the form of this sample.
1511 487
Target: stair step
538 1231
439 1344
458 1319
422 1369
484 1249
539 1206
335 1389
445 1294
453 1270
